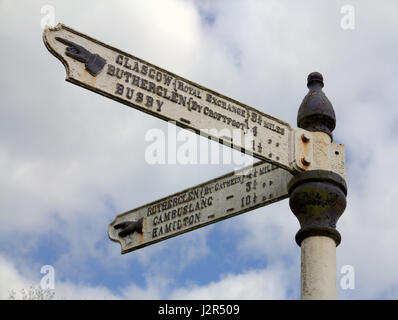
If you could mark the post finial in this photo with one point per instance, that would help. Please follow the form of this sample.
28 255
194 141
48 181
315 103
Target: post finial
316 111
314 76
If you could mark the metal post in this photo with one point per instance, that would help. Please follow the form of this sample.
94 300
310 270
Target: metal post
317 198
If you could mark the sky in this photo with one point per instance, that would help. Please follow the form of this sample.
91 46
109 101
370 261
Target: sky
71 160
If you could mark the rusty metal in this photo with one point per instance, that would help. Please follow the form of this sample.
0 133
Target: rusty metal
305 162
304 138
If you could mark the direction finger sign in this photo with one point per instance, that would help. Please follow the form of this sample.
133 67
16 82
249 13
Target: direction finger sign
141 85
218 199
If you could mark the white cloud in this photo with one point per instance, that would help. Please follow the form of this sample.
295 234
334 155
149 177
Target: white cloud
250 285
269 283
10 279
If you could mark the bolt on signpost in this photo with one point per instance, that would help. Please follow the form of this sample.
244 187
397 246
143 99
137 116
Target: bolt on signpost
301 163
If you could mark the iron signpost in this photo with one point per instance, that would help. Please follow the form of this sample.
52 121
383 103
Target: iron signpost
301 163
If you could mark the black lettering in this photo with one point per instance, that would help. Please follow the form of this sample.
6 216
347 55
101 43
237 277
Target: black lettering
152 87
129 93
144 70
144 84
119 88
174 97
135 68
185 221
126 61
159 76
128 75
165 94
159 104
119 59
167 79
182 100
119 73
136 81
151 73
149 101
111 70
159 91
139 97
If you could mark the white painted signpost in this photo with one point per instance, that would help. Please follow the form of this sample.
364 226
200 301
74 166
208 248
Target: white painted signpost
212 201
284 151
145 87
